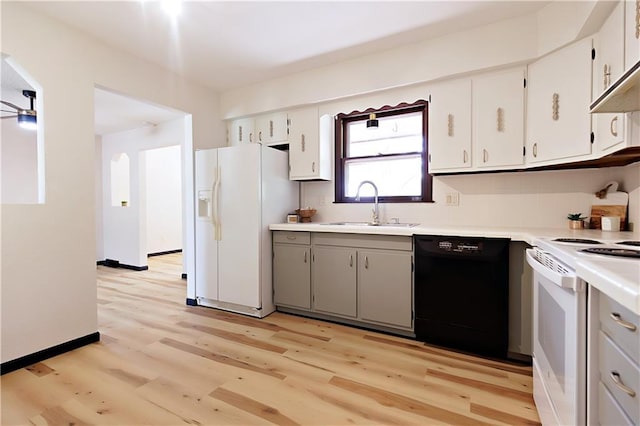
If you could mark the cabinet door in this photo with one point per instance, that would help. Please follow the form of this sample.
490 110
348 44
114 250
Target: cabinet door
334 280
498 111
384 287
450 126
608 66
242 131
632 32
303 143
271 128
292 275
558 99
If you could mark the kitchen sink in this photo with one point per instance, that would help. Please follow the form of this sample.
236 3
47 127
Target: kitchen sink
385 224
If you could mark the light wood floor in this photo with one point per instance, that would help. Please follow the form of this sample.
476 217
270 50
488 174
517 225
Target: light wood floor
161 362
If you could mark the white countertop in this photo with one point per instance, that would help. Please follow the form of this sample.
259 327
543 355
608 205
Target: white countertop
616 277
619 278
517 234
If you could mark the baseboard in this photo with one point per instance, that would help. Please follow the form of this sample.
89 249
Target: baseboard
35 357
116 264
192 302
160 253
184 275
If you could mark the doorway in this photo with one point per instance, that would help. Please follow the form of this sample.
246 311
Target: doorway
155 215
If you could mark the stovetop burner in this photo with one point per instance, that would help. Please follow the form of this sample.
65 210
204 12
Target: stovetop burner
577 241
613 252
629 243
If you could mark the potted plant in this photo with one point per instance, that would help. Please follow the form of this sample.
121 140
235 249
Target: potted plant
576 221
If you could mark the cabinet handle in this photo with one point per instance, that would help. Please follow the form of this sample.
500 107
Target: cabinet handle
291 237
450 125
615 376
485 155
260 135
366 262
350 260
614 126
305 257
555 107
313 167
302 142
626 324
535 149
465 156
239 133
606 76
500 120
271 128
251 137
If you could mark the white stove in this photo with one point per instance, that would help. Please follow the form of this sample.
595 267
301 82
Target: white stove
569 250
560 318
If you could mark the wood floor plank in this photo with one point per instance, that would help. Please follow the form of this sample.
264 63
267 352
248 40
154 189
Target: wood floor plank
163 363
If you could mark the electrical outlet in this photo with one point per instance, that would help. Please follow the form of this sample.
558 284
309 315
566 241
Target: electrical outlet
452 198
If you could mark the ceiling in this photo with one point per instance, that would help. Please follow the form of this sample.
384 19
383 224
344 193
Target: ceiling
229 44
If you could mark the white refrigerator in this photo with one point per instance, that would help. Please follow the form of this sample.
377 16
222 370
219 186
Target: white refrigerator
240 190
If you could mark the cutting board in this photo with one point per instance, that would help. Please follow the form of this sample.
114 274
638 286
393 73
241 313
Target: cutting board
614 203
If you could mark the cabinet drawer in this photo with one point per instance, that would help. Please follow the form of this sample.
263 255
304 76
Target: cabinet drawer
388 242
612 361
622 325
292 237
609 412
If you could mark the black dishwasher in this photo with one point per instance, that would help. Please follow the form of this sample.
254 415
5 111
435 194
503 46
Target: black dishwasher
462 293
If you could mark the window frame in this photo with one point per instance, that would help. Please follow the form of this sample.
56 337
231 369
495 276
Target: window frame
343 120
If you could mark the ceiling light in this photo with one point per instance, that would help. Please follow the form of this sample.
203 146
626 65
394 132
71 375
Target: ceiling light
172 7
372 122
28 120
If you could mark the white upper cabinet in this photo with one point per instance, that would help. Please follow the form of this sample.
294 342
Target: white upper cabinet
450 126
309 145
241 131
632 32
498 119
558 100
271 129
608 66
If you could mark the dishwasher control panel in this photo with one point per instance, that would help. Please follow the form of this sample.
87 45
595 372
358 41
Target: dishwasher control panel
460 246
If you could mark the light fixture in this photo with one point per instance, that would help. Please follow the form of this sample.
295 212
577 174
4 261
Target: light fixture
372 122
172 7
27 120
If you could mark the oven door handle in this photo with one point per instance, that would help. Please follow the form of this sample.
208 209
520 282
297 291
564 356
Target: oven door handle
568 280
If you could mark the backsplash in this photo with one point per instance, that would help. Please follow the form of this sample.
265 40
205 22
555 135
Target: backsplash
539 199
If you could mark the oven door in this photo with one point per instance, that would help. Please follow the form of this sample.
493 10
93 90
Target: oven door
559 348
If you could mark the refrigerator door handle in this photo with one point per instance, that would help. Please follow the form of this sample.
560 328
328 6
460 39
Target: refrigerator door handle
216 195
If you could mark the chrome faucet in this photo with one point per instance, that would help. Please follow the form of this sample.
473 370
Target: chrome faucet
376 215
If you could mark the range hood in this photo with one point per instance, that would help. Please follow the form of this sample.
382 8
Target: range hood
623 95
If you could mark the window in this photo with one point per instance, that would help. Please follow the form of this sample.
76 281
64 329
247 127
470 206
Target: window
393 155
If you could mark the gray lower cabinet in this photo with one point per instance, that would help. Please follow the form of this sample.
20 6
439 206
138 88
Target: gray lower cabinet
357 279
292 269
384 287
334 280
292 277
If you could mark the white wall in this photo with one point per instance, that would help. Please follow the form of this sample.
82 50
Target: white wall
516 199
164 199
49 250
98 199
126 229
